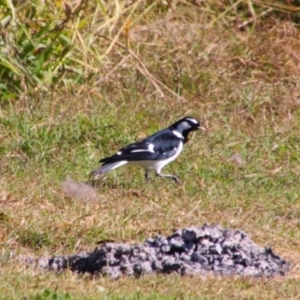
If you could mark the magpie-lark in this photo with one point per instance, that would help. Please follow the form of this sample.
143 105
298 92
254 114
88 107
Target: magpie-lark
155 151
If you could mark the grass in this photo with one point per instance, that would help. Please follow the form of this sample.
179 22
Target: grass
186 60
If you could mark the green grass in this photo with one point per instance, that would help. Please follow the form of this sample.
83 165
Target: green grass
243 86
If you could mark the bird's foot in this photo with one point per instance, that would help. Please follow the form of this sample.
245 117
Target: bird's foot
175 178
147 176
94 175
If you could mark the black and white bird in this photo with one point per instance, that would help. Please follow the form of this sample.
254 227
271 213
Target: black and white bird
155 151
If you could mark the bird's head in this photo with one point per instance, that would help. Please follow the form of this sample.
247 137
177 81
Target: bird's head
185 125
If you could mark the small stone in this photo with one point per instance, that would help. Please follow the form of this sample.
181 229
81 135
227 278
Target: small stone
185 257
113 273
43 263
251 271
150 241
188 246
189 234
57 263
156 265
196 257
218 248
165 248
216 233
176 242
170 265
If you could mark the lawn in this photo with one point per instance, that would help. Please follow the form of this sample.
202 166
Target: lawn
234 65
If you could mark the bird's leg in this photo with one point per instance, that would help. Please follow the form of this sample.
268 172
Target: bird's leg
175 178
147 175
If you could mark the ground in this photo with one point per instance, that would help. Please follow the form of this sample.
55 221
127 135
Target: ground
241 82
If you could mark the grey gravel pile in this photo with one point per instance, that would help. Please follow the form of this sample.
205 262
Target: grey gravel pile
194 250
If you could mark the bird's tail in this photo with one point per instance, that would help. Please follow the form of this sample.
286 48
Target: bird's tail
107 167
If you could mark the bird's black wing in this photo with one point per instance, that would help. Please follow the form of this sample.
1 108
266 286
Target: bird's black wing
158 146
133 152
166 144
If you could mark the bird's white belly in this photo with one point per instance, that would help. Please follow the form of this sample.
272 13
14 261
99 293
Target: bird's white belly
157 165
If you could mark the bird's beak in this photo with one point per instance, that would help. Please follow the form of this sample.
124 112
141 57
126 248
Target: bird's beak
202 128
